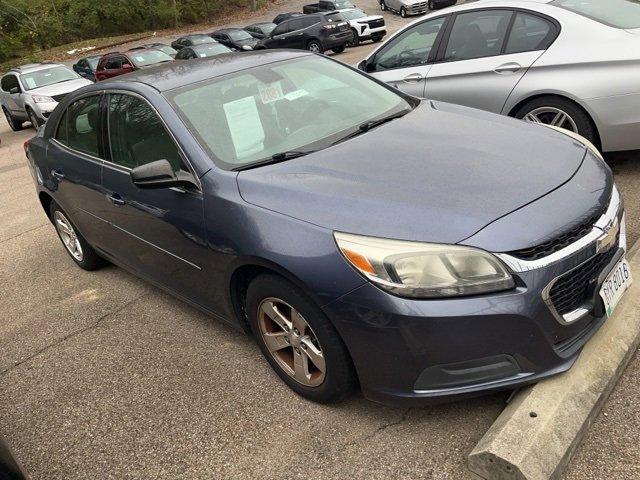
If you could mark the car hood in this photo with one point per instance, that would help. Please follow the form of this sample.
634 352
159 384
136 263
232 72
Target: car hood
439 174
368 18
61 88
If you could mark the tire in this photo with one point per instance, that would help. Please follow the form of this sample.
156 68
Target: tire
355 41
403 12
383 6
315 46
546 108
88 259
376 39
430 5
35 123
338 379
338 49
15 124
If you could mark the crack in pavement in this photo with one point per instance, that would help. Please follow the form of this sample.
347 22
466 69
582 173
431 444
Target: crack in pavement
76 333
23 233
403 418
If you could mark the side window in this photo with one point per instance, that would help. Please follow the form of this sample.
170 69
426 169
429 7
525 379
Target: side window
81 119
297 24
478 34
284 27
411 48
530 33
113 63
307 22
61 132
9 82
137 135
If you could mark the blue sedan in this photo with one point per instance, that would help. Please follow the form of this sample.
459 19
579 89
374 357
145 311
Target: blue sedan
364 237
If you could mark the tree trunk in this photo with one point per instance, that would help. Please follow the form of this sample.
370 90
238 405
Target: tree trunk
174 7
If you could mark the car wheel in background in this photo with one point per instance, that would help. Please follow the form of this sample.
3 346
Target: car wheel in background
315 46
403 12
74 243
15 124
298 341
559 112
383 6
338 49
355 41
35 123
376 39
430 5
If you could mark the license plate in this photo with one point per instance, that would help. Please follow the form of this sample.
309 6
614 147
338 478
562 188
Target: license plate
615 285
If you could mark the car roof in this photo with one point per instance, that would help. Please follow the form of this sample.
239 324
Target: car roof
33 67
167 76
229 29
194 35
257 24
202 46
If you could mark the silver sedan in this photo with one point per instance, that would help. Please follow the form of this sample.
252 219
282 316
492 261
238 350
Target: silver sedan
574 64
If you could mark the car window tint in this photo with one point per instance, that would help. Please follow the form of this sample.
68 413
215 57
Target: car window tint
282 28
478 34
61 132
82 125
411 48
529 33
9 82
113 63
137 136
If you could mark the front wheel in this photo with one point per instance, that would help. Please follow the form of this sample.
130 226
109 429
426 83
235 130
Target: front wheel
431 5
338 49
298 340
315 46
355 41
383 6
35 123
14 123
559 112
74 243
403 12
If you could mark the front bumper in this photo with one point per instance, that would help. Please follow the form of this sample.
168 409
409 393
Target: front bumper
409 351
43 110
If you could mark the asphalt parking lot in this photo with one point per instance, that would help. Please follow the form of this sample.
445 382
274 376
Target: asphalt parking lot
104 376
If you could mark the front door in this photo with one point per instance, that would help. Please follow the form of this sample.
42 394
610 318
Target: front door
158 232
405 60
487 54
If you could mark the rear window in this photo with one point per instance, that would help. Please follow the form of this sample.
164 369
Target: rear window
334 17
149 57
615 13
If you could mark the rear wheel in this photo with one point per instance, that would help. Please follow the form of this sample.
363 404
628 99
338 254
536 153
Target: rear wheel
315 46
14 123
403 12
74 243
559 112
298 340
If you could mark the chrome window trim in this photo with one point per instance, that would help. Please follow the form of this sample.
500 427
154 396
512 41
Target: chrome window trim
53 138
73 151
599 232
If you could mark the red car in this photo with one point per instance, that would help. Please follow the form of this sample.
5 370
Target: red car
116 63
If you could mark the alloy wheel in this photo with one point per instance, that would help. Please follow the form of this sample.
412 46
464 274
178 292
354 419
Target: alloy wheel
314 47
33 119
291 342
68 235
552 116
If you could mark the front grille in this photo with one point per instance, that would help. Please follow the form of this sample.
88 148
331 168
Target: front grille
418 6
573 289
376 23
558 243
59 98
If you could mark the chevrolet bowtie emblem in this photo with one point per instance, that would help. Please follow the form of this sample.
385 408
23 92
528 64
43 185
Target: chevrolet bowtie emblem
609 235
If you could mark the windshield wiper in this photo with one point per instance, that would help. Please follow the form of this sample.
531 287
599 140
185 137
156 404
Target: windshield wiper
276 158
365 127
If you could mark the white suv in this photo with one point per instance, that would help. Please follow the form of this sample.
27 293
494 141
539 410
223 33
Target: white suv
31 92
364 27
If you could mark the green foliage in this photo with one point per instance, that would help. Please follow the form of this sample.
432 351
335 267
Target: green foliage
28 26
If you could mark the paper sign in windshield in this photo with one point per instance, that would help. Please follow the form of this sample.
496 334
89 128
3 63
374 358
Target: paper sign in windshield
271 93
245 126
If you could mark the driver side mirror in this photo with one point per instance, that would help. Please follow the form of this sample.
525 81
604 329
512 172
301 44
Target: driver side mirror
127 66
160 174
367 66
14 90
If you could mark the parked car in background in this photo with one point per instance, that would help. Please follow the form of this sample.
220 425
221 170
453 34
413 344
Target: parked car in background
318 33
31 92
327 6
281 17
405 8
235 38
569 64
417 249
116 63
260 30
86 67
190 41
363 26
202 51
158 46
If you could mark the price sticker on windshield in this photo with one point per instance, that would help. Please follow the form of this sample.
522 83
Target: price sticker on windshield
271 93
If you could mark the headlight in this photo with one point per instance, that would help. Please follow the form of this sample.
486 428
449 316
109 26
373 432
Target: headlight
424 270
42 99
579 138
247 47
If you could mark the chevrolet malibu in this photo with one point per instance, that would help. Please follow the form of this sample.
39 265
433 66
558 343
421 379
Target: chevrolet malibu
352 229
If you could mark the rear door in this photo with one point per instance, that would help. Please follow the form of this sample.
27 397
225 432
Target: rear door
280 35
406 59
486 54
158 232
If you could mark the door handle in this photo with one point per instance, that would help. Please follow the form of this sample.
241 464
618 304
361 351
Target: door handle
57 174
414 77
116 199
508 68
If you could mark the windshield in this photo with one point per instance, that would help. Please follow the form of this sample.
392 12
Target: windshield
343 4
47 76
211 50
353 14
149 57
300 104
615 13
238 35
93 62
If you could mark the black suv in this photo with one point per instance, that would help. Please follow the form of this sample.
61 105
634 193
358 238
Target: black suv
317 33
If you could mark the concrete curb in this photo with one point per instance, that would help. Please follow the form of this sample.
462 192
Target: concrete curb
535 436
